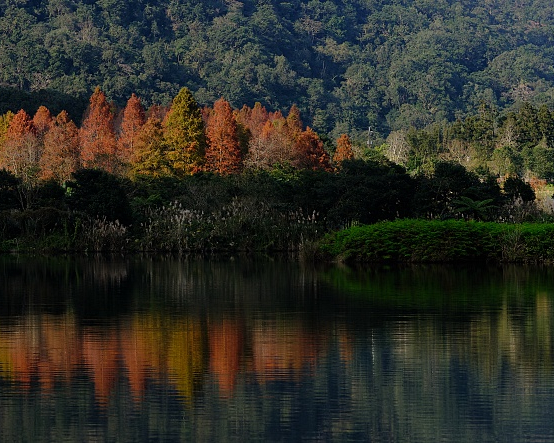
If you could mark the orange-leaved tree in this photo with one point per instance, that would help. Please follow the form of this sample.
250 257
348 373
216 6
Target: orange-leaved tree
344 150
309 152
253 119
42 121
61 155
223 152
275 144
22 149
97 136
133 119
184 134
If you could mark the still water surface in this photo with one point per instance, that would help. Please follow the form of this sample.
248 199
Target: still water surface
241 349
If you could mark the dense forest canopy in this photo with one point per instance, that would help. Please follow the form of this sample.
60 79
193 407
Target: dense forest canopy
347 64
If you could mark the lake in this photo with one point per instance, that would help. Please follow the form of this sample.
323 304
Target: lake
132 349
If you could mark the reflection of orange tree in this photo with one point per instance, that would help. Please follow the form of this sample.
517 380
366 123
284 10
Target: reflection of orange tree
23 354
167 348
101 356
283 349
140 351
46 347
61 347
43 347
226 346
163 347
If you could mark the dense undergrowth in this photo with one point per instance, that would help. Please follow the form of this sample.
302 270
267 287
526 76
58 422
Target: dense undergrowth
282 210
241 226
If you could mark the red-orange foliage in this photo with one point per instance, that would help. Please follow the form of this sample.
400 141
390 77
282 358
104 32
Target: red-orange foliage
282 351
309 152
60 157
253 119
226 344
344 150
273 145
282 141
157 112
102 357
223 153
97 136
133 120
20 126
60 347
22 149
42 120
137 357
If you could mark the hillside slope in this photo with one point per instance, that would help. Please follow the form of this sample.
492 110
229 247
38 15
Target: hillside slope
347 64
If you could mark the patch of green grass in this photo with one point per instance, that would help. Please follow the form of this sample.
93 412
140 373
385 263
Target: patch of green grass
442 242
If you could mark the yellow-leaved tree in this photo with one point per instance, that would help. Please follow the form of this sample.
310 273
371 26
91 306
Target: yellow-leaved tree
184 135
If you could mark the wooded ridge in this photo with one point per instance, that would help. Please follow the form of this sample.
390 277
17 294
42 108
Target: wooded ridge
347 64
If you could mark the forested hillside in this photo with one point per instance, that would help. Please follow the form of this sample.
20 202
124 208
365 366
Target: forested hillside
347 64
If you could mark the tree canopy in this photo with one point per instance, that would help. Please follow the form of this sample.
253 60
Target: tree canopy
347 65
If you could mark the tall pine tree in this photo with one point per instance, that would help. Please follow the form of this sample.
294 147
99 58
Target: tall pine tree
97 136
184 134
344 150
223 154
133 119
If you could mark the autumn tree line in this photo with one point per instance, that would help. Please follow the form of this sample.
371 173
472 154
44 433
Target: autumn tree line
162 171
181 140
186 177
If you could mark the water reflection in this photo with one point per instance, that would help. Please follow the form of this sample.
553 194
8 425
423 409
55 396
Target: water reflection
133 349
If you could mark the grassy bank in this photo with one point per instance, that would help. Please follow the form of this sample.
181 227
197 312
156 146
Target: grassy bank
442 241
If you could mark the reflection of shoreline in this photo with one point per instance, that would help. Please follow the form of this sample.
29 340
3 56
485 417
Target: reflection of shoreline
90 285
186 351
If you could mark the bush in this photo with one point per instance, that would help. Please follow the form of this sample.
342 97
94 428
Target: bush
442 241
98 194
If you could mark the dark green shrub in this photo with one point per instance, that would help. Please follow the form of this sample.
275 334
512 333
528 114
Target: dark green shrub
8 191
98 194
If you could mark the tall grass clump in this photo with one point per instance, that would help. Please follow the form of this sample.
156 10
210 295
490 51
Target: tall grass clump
173 228
244 224
100 235
442 241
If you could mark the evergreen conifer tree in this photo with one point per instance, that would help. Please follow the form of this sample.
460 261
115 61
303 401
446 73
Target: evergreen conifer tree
184 134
